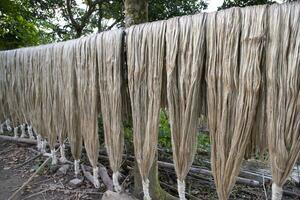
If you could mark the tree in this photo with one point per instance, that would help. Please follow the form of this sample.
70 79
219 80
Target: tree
17 26
59 20
165 9
243 3
66 19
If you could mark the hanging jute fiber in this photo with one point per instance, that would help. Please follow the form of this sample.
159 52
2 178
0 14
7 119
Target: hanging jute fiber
258 138
185 40
2 90
145 54
37 122
28 91
12 95
59 119
110 80
41 125
4 111
71 102
47 100
20 88
257 147
27 98
85 68
26 82
233 79
283 91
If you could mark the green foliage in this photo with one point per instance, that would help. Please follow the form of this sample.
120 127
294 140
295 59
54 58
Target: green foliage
128 136
203 142
128 131
165 9
164 137
243 3
16 27
27 22
33 22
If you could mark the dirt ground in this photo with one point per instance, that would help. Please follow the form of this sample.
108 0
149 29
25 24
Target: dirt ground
49 185
52 185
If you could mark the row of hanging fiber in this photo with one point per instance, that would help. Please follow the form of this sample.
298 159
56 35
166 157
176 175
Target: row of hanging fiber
240 67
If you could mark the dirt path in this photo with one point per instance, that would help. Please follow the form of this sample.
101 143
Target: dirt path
49 185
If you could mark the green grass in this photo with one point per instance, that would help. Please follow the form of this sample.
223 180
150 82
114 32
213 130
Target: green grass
164 137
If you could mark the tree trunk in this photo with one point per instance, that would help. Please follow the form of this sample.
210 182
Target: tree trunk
99 17
156 192
78 32
136 12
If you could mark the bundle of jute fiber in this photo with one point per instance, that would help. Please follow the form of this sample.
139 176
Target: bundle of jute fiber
22 59
86 76
258 139
145 54
48 99
8 83
58 110
110 80
28 91
283 91
71 102
5 89
15 90
36 95
233 81
44 120
36 98
3 92
19 87
185 40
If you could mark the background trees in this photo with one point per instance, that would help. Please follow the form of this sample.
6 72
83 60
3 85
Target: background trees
17 25
33 22
243 3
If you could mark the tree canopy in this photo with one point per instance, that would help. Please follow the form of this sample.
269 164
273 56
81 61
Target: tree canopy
33 22
17 26
243 3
